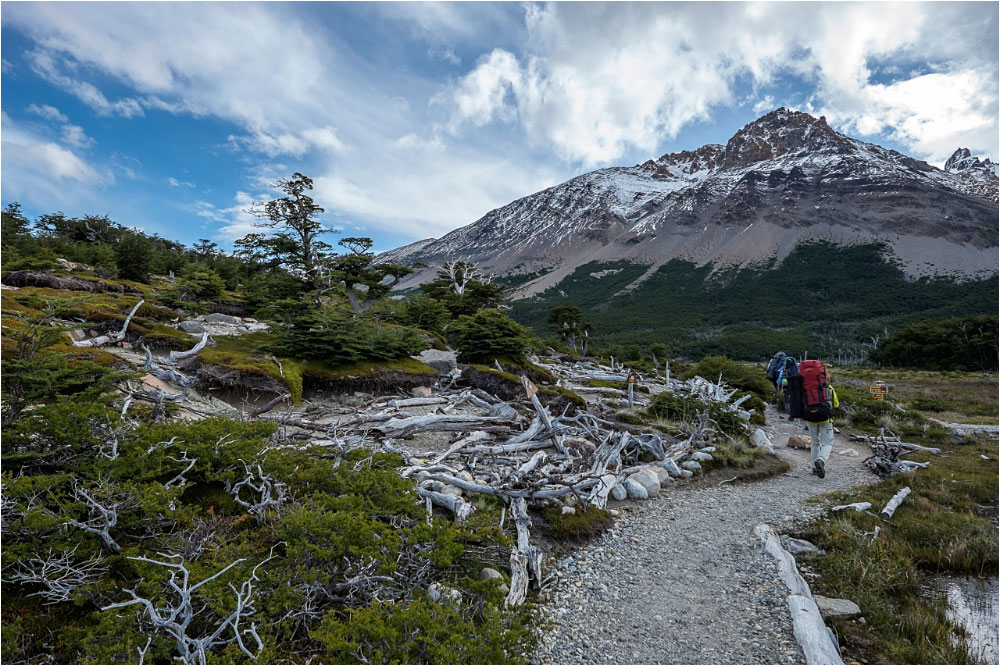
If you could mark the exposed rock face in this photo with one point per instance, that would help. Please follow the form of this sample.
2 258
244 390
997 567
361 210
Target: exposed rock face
783 179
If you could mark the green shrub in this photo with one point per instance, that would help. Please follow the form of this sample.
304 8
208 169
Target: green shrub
746 378
203 283
488 335
336 335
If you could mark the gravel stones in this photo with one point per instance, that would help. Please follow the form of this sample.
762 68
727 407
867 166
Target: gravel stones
692 559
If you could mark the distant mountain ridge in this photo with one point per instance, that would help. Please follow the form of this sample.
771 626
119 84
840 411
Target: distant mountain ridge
782 180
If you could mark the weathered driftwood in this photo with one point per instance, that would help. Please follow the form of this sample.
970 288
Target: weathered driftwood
458 507
525 559
442 422
417 402
893 504
811 632
809 628
175 356
102 340
857 506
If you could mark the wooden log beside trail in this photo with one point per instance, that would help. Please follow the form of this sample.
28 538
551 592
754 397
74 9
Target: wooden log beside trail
894 503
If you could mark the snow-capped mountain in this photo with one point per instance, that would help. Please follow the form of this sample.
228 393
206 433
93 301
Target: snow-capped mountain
783 179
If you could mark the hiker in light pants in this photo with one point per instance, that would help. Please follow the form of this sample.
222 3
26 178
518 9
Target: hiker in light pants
821 440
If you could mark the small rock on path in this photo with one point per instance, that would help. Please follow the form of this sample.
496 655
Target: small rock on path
682 579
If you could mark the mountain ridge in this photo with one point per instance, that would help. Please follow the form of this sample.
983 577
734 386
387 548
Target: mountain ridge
783 179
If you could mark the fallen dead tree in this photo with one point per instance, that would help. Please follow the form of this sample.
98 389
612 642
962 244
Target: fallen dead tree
513 449
887 452
102 340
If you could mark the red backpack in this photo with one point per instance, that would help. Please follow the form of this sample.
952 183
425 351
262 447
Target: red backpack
817 405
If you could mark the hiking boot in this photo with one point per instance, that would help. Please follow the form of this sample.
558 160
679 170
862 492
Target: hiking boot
819 468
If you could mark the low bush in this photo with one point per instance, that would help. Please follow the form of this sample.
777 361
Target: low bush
488 335
586 522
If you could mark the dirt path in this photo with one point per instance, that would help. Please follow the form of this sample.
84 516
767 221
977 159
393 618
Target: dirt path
683 579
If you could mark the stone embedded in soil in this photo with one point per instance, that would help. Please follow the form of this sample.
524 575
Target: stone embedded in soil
798 442
219 318
836 608
191 326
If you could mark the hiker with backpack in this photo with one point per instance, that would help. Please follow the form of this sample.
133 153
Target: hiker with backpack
774 367
811 398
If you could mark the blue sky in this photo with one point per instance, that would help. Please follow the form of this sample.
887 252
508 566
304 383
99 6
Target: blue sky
417 118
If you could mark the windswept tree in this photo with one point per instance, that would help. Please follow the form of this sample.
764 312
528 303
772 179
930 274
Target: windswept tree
294 243
464 289
365 281
569 320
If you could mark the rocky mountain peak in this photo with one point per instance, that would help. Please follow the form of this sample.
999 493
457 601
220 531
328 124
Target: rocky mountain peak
962 160
780 132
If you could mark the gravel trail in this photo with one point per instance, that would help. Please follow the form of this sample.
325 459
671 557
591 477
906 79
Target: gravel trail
683 579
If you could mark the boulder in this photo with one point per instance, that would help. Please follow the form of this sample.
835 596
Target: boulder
761 441
421 391
504 411
254 328
686 473
836 608
848 452
442 361
619 492
799 442
661 474
242 329
486 573
798 546
648 480
444 594
707 449
451 490
568 511
702 457
672 468
691 465
465 476
634 490
191 326
219 318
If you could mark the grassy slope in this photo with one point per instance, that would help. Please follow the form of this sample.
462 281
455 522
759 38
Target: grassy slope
819 298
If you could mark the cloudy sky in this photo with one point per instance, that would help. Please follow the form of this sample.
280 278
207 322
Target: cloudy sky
417 118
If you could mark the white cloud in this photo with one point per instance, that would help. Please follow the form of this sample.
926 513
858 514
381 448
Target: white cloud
596 80
47 112
586 82
72 135
173 182
43 173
